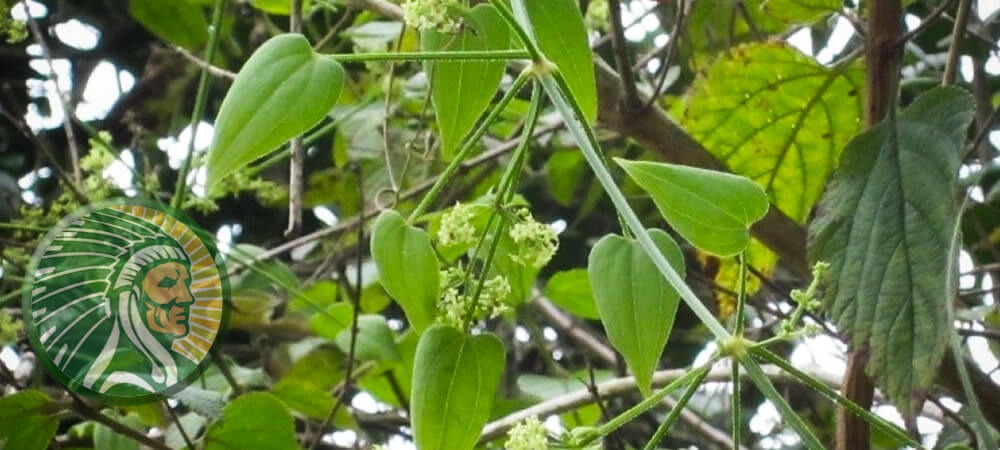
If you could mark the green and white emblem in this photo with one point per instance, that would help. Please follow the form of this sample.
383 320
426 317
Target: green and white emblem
124 301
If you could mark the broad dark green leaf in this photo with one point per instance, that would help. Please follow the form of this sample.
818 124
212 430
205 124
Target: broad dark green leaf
557 28
455 379
283 90
885 226
407 267
571 290
25 421
180 22
462 90
801 12
713 210
254 420
637 305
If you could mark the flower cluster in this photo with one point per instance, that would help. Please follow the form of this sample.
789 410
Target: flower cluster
527 435
455 303
536 242
456 226
430 15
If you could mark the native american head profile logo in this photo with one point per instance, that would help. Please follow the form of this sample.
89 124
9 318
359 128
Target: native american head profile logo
124 301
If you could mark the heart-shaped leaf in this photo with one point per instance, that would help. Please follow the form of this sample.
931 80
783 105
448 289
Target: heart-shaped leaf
571 290
283 90
455 379
558 30
885 225
713 210
462 90
407 267
637 305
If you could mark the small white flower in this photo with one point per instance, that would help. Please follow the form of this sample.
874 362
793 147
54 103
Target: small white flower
456 226
430 14
494 296
527 435
536 242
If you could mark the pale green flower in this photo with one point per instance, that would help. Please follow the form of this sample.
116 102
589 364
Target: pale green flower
456 226
430 15
494 296
527 435
536 242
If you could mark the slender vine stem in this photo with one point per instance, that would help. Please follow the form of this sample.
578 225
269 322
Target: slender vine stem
661 431
822 388
463 55
467 146
201 97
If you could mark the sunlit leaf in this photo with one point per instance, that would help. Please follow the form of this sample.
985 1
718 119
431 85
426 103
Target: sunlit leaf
557 28
283 90
637 305
407 267
455 378
801 12
885 225
713 210
374 342
254 420
462 90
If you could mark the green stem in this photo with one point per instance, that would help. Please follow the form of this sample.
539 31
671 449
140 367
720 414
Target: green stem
529 43
737 405
467 146
558 91
741 299
821 387
464 55
651 401
21 227
201 97
765 386
664 427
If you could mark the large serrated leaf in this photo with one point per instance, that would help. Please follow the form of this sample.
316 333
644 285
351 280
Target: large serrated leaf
558 30
637 305
713 210
455 379
407 267
254 420
283 90
885 226
775 115
462 90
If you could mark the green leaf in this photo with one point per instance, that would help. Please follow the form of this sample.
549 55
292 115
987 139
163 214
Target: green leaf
565 169
885 226
710 32
713 210
106 438
254 420
407 267
283 90
558 30
772 114
208 404
375 341
571 290
332 320
637 305
180 22
304 398
277 7
801 12
455 379
462 90
25 422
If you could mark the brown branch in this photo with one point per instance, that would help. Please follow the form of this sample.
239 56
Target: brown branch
954 51
631 99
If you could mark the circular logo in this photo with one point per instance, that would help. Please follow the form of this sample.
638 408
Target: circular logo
124 301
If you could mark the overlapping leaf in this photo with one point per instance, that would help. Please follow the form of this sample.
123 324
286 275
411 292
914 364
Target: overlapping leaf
885 226
254 420
461 90
776 116
801 12
407 267
455 378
